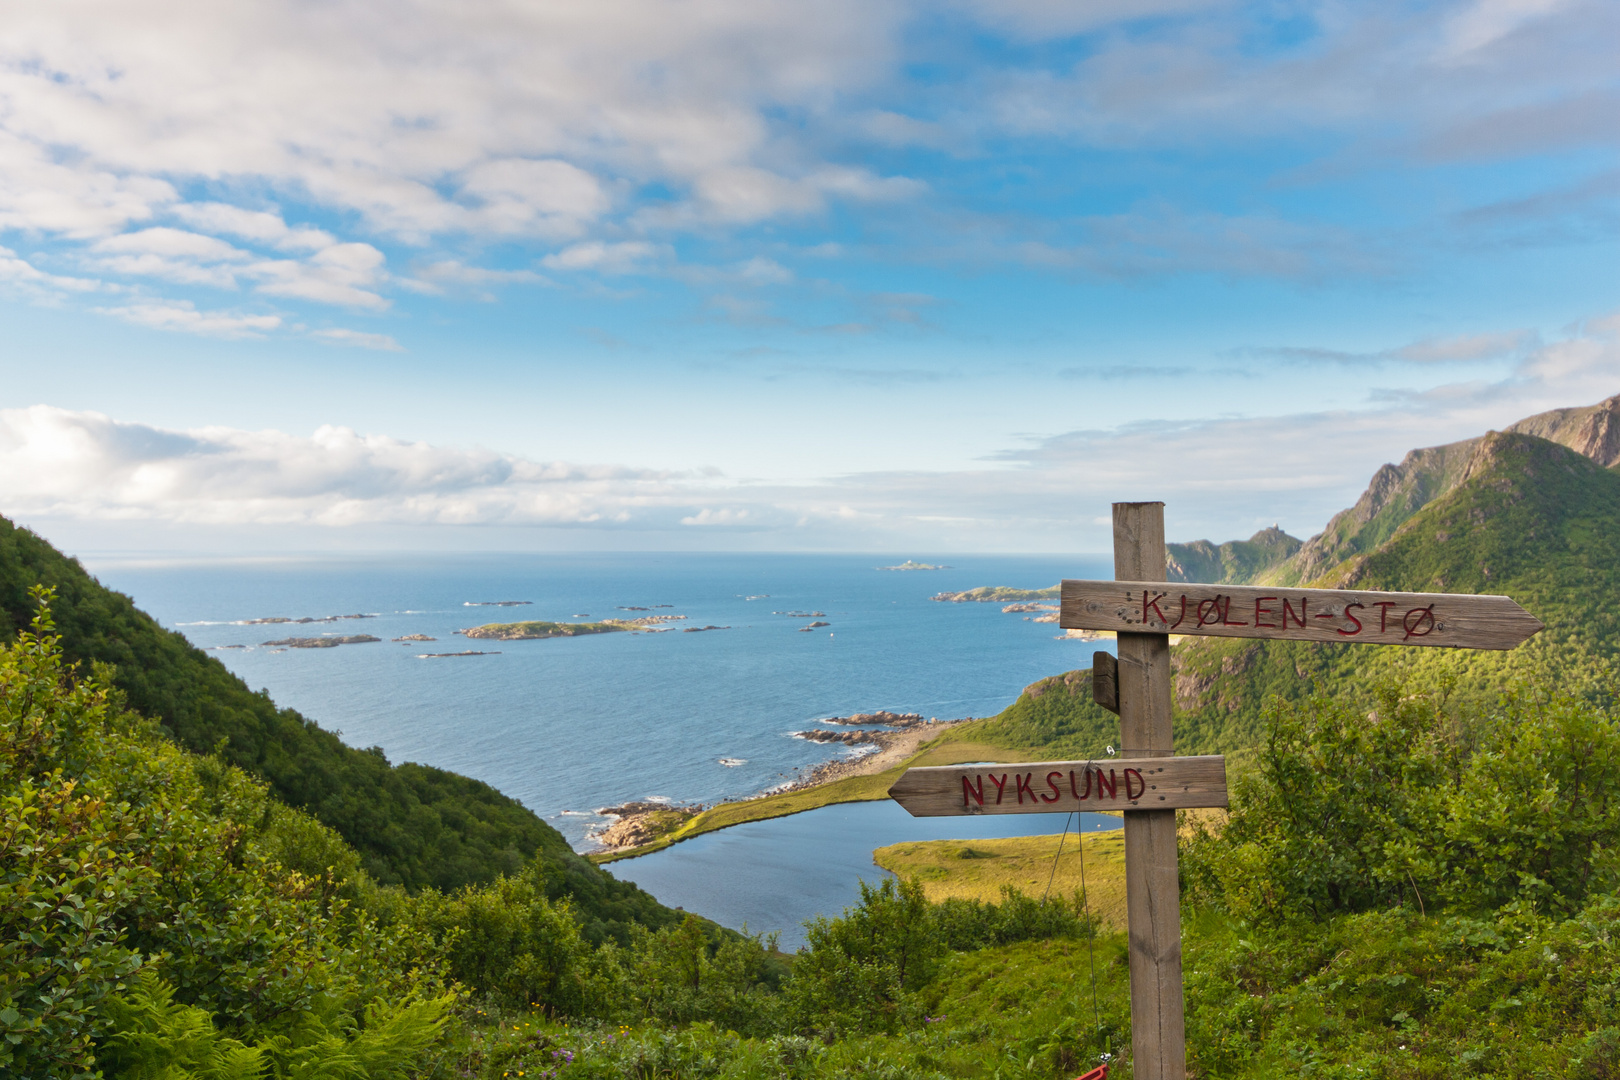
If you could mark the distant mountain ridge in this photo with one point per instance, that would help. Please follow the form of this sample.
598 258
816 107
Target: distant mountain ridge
1231 562
1394 495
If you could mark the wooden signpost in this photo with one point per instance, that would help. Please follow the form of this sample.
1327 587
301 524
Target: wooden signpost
1146 782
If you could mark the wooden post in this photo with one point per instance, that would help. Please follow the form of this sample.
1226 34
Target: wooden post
1152 888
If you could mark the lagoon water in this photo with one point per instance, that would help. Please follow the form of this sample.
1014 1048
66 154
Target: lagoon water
771 876
569 726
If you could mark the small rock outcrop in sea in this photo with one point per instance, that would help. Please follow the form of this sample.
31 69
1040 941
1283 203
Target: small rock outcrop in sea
886 719
848 738
999 594
276 619
530 631
801 614
700 629
416 637
813 626
448 655
322 642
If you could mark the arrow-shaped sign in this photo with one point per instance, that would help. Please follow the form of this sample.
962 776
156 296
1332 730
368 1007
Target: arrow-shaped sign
1443 620
1044 787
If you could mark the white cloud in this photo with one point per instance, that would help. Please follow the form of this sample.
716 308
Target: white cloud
1465 347
438 277
624 257
578 124
170 254
1222 477
87 465
1485 22
18 272
726 515
480 116
342 274
547 198
256 225
184 317
359 339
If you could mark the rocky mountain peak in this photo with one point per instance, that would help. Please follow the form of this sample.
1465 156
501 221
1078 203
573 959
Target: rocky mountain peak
1592 431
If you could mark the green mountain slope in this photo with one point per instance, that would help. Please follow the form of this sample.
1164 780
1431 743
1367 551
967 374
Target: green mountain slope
1399 491
413 825
1394 495
1233 561
1527 518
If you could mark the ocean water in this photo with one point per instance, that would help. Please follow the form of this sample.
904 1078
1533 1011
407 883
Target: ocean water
569 726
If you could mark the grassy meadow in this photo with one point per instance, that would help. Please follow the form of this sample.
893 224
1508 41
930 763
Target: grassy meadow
1034 865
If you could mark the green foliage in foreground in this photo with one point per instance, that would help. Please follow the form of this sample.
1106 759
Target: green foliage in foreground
163 916
411 824
1425 892
1406 887
1418 891
145 915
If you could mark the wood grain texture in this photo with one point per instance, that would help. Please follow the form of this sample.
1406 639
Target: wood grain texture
1149 607
1045 787
1153 917
1152 885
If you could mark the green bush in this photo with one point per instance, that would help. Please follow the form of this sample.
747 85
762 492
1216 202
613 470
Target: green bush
1411 803
964 925
125 854
685 974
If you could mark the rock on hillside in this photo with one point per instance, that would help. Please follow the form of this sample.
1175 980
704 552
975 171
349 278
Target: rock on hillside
1593 431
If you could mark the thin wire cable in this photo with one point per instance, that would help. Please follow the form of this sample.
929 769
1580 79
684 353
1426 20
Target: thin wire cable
1053 875
1091 929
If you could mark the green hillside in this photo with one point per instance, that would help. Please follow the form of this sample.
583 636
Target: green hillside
1233 561
413 825
1394 495
1527 518
1399 491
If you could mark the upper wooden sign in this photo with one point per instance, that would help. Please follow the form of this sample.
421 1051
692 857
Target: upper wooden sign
1044 787
1444 620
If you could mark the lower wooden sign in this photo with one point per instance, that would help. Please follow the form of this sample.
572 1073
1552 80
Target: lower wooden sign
1044 787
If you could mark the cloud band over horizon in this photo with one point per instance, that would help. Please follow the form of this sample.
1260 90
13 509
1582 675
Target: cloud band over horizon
1224 478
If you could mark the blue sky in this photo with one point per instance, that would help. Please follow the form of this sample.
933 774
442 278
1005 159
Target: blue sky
714 274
